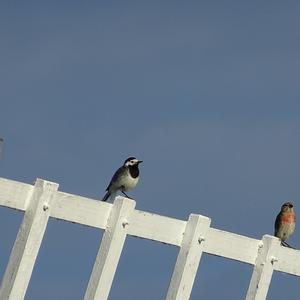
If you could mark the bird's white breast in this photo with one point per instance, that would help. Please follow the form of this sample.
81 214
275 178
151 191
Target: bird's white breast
128 182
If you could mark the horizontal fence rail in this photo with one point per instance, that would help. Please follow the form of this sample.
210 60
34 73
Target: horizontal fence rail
194 237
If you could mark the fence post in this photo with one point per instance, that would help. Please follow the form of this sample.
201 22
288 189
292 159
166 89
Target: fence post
110 249
263 268
188 258
25 250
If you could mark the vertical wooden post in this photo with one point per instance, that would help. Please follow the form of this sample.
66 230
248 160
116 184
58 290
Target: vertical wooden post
27 244
110 250
263 269
188 258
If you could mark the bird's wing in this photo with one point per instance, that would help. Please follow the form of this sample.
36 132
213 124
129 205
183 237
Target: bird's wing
116 177
277 224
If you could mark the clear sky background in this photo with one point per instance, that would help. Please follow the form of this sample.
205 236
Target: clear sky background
206 93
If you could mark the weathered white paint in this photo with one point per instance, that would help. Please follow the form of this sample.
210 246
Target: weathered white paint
267 257
90 212
231 245
14 194
157 228
81 210
288 261
28 240
188 258
110 249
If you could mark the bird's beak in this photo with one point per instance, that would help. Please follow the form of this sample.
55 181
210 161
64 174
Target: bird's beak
140 161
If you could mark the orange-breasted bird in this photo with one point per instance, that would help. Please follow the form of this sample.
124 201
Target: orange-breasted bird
285 223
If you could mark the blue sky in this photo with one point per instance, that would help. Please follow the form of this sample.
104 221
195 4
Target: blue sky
205 93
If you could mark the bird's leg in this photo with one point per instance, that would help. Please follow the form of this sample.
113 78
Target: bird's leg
126 195
285 244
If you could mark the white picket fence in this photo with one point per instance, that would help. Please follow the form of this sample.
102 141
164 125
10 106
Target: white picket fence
194 236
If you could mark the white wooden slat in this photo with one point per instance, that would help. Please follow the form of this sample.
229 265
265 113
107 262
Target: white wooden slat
231 245
158 228
267 257
28 241
188 258
14 194
288 261
81 210
110 249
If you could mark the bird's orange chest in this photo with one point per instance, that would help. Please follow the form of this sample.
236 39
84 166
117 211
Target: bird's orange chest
288 218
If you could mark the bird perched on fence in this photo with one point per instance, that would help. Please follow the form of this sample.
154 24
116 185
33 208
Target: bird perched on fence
285 223
125 178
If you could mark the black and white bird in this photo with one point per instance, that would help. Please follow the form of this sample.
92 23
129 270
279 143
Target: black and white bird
125 178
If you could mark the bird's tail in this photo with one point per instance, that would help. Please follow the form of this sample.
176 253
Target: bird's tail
110 196
106 196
